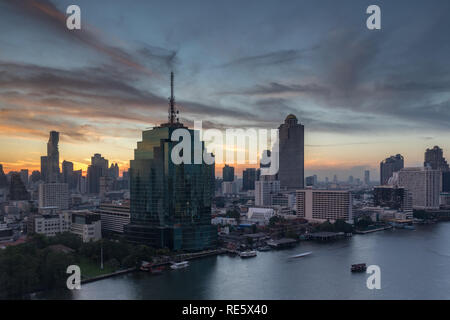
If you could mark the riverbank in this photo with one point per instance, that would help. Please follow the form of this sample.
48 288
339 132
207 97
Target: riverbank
372 230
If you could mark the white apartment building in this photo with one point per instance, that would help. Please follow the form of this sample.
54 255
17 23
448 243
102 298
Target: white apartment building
424 185
54 195
49 224
260 216
264 190
86 224
322 205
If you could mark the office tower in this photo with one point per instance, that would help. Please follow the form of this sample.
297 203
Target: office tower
367 177
106 184
44 168
229 187
434 158
291 154
170 204
3 180
264 190
97 169
77 177
335 179
228 173
54 195
249 178
114 217
327 180
322 205
309 181
24 176
53 173
350 179
424 185
393 197
114 171
35 176
17 189
67 171
389 166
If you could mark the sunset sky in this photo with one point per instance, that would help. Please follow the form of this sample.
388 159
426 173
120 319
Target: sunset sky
362 95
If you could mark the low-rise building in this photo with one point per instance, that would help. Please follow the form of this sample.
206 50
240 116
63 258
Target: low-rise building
86 224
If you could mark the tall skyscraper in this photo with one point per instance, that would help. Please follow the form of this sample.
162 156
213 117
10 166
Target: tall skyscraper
53 173
291 154
389 166
249 178
3 180
170 203
97 169
67 174
24 176
228 173
367 177
434 158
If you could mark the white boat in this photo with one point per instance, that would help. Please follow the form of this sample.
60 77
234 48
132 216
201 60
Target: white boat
248 254
300 255
179 265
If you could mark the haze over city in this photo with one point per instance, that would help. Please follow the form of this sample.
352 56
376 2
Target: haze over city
360 97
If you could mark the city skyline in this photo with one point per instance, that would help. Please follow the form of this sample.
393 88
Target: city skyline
102 86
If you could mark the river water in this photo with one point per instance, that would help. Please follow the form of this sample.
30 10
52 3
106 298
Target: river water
415 264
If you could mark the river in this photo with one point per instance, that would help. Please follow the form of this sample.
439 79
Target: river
415 264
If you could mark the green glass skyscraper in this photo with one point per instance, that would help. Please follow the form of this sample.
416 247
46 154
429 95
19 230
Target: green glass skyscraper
170 204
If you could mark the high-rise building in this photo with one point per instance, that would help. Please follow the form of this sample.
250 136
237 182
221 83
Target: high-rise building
53 173
389 166
17 189
228 173
97 169
3 180
114 217
44 168
35 176
170 203
24 176
54 195
249 176
393 197
114 171
291 153
434 158
322 205
424 185
367 177
309 181
264 190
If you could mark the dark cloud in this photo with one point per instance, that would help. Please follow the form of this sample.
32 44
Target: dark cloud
267 59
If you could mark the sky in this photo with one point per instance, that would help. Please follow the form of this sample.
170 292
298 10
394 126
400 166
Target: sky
361 94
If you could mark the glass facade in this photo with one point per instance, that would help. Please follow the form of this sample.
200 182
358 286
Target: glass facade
170 204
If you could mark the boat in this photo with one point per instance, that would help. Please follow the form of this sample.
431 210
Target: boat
265 248
360 267
300 255
156 270
179 265
248 254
